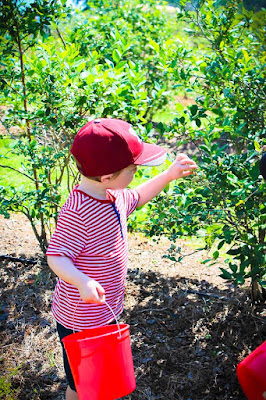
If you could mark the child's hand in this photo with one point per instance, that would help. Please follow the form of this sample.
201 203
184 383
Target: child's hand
182 166
91 291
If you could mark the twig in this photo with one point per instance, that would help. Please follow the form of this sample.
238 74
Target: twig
7 129
193 252
7 345
14 169
259 318
60 36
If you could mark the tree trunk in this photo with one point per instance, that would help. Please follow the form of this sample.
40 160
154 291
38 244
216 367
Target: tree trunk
258 293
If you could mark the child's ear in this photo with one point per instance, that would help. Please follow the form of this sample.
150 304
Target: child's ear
106 178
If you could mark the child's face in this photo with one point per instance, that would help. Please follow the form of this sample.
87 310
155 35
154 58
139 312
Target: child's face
125 177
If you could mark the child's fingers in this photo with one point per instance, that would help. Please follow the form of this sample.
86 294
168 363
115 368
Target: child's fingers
101 293
187 161
188 167
92 292
187 172
101 297
97 297
180 156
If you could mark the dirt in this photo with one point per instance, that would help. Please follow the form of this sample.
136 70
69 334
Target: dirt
188 329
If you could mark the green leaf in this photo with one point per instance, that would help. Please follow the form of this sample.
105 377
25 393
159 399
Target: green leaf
193 109
240 280
166 188
160 127
234 252
255 171
154 45
233 267
239 203
238 192
225 274
110 63
256 145
116 56
202 233
220 245
80 66
172 258
206 261
205 148
179 107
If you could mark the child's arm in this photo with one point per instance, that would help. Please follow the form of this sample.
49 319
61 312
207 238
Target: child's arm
90 290
182 166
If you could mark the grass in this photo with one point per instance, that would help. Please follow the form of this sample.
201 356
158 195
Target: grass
8 176
165 115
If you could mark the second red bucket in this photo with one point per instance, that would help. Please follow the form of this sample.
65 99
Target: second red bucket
251 373
101 362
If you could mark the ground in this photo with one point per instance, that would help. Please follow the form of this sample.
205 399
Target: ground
188 329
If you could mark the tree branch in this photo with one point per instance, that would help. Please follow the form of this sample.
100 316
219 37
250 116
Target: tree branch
14 169
6 128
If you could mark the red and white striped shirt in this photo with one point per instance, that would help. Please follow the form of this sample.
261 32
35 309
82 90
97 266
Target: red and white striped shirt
93 234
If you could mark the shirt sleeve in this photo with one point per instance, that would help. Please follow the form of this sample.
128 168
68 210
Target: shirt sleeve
131 198
70 236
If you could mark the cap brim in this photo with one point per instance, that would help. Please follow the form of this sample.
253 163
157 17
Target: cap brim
151 156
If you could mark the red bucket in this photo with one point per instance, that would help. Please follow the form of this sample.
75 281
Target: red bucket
251 373
101 362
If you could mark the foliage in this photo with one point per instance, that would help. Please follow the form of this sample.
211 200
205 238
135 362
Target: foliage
225 202
22 24
52 81
126 32
41 203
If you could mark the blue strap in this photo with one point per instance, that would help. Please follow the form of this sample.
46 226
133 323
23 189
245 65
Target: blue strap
119 219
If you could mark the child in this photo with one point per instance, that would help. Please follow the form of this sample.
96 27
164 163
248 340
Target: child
262 166
88 250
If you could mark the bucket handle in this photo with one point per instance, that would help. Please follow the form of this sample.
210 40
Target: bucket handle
118 327
110 308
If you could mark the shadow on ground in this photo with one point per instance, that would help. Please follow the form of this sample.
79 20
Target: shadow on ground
187 336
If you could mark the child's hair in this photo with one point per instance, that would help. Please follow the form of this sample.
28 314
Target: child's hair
94 178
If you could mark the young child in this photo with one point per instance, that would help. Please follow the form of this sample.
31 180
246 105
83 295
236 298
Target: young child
88 250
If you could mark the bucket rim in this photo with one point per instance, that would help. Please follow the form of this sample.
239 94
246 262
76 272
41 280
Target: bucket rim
69 338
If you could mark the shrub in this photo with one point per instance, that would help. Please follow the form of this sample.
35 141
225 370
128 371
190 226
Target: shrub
225 202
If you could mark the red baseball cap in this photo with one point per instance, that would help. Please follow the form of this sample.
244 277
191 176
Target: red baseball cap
104 146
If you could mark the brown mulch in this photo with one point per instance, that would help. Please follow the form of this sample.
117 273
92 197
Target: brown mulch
188 329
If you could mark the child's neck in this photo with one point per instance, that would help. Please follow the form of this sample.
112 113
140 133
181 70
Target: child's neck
93 188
